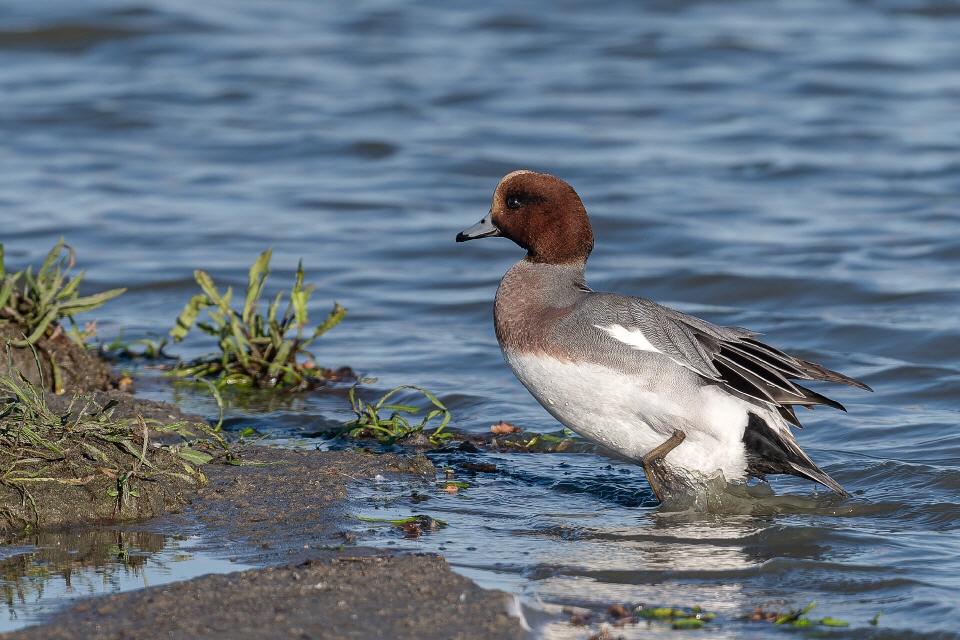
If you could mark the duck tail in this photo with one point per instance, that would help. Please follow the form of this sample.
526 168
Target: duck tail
771 450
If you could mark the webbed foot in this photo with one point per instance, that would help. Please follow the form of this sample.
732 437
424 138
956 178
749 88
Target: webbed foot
661 479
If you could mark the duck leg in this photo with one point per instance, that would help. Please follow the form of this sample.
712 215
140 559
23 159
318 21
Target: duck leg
661 479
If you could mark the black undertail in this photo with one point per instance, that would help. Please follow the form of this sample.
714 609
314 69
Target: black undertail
770 452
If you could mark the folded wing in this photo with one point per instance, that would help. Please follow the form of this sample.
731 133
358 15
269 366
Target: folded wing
731 356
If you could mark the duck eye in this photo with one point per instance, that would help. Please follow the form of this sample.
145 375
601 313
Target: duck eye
513 202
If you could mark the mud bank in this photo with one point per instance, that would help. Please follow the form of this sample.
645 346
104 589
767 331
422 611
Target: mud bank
351 597
82 460
283 505
288 509
53 361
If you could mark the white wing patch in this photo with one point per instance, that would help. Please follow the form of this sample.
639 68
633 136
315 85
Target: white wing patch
632 337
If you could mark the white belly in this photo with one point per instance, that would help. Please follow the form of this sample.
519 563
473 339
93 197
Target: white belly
633 414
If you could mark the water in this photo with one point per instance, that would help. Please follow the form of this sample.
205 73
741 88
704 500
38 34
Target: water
791 167
40 573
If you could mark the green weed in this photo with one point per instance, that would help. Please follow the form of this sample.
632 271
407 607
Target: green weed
794 615
412 527
39 447
371 423
694 618
150 348
417 519
255 350
795 618
37 303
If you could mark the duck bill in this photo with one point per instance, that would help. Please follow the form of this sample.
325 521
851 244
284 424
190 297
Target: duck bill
483 229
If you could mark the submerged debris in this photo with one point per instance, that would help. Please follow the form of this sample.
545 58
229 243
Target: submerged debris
796 618
762 615
411 527
619 615
482 467
503 428
618 611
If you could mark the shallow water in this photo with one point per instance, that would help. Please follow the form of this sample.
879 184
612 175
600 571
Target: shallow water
791 167
40 573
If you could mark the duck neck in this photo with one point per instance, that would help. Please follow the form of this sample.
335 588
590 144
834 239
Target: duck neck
556 285
533 295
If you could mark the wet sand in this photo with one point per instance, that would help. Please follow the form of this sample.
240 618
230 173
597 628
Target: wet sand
286 510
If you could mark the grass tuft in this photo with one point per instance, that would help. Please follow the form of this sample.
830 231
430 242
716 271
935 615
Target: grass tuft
87 447
255 350
38 302
372 420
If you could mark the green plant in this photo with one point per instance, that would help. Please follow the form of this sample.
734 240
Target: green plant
255 350
41 448
153 348
38 302
411 527
796 618
369 422
677 618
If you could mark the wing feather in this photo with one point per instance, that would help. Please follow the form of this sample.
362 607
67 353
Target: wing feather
732 357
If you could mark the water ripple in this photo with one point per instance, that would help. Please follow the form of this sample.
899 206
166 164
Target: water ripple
786 166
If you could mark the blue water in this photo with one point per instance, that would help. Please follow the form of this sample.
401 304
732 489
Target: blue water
792 167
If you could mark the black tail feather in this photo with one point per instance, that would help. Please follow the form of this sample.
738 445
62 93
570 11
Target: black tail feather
772 451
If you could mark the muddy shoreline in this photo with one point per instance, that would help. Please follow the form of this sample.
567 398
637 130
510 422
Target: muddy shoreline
285 510
104 457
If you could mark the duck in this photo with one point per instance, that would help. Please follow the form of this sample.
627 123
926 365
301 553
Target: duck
678 395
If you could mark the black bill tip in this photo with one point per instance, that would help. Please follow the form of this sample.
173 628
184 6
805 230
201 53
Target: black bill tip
483 229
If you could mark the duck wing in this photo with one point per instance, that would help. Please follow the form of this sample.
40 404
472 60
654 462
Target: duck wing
730 356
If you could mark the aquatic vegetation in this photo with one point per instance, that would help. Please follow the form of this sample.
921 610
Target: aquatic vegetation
693 618
557 442
37 302
619 616
255 350
44 453
427 521
794 615
684 618
152 347
412 527
796 618
370 422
